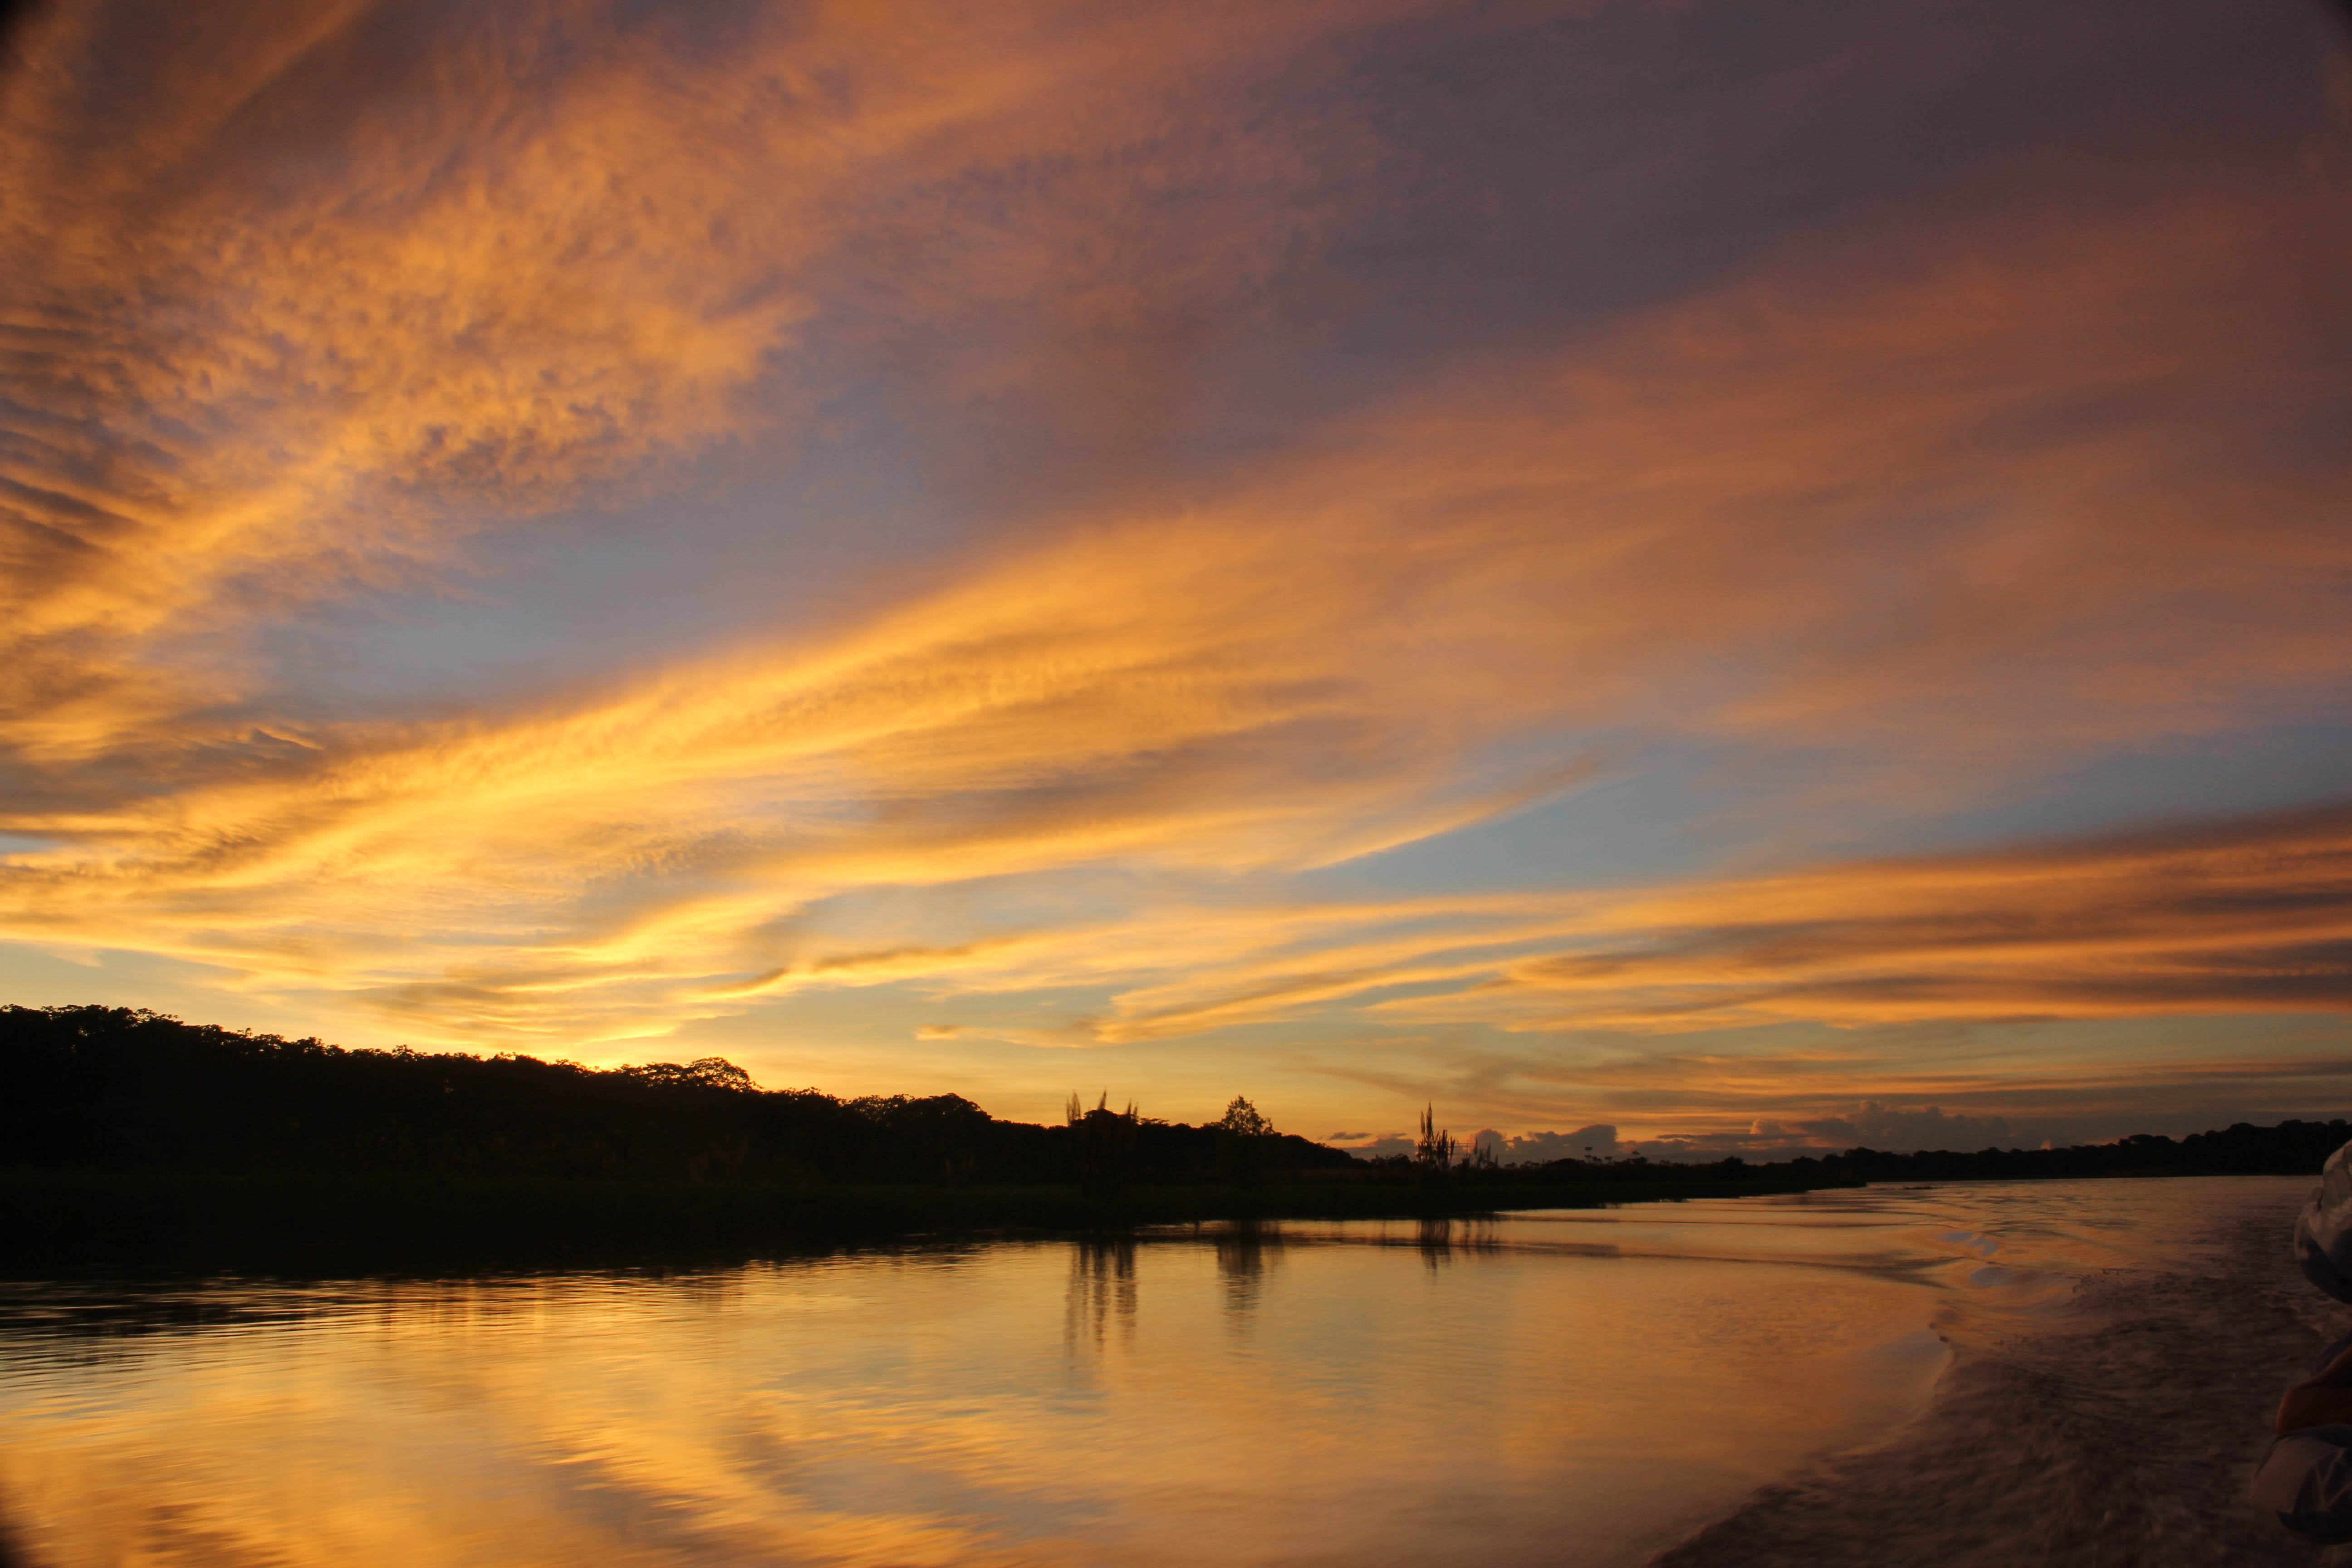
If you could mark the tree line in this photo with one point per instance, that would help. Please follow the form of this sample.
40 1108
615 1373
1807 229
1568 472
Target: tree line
2291 1148
101 1087
112 1087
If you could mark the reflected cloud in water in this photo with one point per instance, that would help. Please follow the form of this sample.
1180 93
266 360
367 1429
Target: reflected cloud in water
1239 1394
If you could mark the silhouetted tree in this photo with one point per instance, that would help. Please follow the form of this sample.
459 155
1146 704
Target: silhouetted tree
1243 1135
1434 1152
1243 1120
1105 1142
707 1072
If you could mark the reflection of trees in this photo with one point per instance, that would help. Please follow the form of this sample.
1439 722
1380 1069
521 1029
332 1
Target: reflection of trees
1442 1237
1101 1288
1242 1257
1436 1243
11 1556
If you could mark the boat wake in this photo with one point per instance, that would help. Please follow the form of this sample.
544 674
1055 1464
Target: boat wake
2120 1428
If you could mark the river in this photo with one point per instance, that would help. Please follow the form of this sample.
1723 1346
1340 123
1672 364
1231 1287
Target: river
1999 1373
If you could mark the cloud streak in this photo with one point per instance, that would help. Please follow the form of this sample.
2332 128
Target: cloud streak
2252 917
1914 504
336 294
1304 670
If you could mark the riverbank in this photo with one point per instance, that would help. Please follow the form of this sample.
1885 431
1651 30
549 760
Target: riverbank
2119 1424
368 1222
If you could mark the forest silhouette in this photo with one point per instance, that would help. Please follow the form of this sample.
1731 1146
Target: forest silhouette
129 1137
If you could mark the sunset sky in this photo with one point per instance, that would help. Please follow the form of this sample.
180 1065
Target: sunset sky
1730 571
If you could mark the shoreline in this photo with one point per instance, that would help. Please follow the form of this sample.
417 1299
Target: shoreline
80 1221
84 1221
2123 1430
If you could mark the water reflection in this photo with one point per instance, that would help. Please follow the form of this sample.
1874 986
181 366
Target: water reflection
1101 1291
1436 1244
1243 1252
1251 1395
1437 1239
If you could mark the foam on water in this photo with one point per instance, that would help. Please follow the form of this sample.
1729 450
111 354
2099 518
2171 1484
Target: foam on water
2013 1373
2111 1392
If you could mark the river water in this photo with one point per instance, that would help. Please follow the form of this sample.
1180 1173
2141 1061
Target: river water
1995 1373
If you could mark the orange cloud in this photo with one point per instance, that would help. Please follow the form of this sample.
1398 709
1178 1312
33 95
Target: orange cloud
2245 918
2250 918
1951 508
1298 673
295 305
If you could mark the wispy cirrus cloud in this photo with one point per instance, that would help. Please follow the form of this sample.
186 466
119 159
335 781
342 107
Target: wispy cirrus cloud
2244 917
1268 551
1862 536
297 305
2240 917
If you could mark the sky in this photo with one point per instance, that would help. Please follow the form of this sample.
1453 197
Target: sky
1688 575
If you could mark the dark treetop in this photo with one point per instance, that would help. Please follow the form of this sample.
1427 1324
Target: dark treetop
114 1088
